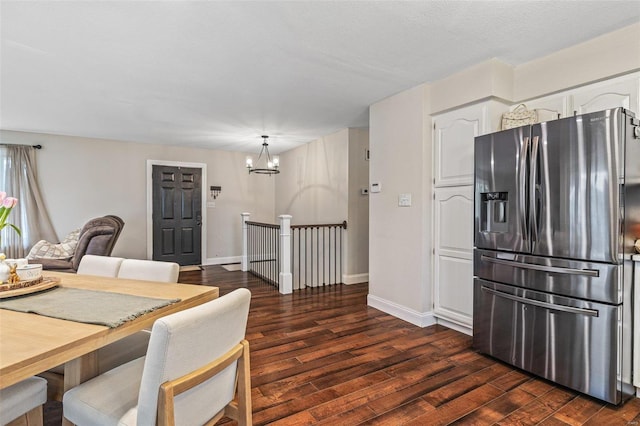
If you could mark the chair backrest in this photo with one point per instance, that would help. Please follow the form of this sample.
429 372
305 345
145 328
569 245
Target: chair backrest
21 398
119 222
104 266
149 270
98 237
185 341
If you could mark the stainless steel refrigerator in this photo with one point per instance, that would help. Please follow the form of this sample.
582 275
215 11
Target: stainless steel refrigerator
557 211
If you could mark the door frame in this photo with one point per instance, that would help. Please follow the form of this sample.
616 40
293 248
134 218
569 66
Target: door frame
203 229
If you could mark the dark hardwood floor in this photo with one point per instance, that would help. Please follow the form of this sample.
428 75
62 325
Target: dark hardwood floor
322 357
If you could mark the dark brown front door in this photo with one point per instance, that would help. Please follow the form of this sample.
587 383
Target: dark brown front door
177 214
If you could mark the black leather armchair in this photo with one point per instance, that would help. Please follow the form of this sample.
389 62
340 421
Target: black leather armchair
98 237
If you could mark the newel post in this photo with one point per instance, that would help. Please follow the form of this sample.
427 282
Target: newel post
285 278
244 263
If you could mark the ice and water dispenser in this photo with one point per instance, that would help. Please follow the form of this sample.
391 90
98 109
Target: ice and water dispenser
494 214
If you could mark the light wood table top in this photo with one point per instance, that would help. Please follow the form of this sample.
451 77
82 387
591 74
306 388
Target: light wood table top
31 344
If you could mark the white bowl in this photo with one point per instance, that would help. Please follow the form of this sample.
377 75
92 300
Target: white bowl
19 262
29 272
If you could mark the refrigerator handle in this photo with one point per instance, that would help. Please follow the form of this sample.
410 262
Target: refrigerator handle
521 184
546 305
544 268
533 189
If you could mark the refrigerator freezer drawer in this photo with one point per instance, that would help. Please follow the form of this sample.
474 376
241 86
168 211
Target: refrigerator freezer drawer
572 278
572 342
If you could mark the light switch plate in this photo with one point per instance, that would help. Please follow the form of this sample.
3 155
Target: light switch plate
404 200
376 187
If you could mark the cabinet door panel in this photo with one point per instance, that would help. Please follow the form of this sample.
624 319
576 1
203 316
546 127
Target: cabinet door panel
549 107
454 221
454 290
453 145
607 95
453 253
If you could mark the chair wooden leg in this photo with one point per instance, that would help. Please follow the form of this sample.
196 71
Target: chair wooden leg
35 416
244 387
240 409
30 418
55 385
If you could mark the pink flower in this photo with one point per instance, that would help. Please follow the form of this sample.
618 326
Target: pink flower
9 202
6 205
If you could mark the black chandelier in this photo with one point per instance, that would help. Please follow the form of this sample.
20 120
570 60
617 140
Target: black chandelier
270 164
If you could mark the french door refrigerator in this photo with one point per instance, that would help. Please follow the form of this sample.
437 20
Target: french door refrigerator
557 211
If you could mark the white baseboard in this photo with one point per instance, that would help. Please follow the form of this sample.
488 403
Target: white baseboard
455 326
355 278
421 319
222 260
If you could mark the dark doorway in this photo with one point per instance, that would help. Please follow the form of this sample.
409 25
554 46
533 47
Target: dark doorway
177 214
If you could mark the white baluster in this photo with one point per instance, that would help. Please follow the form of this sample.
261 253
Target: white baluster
285 278
245 245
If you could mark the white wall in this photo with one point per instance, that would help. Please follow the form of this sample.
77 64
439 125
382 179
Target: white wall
489 78
399 237
82 178
611 54
358 216
320 182
313 182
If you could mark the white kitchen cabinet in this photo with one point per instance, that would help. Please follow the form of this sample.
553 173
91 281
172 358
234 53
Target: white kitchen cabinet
549 107
454 132
453 145
453 255
618 92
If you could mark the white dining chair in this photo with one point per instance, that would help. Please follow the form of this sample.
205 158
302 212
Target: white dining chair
104 266
22 402
130 347
149 270
197 363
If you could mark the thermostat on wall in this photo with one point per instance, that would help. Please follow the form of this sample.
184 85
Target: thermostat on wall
376 187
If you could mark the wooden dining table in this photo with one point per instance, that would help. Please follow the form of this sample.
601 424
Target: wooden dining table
31 344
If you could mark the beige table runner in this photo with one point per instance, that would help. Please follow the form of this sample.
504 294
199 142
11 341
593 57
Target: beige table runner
87 306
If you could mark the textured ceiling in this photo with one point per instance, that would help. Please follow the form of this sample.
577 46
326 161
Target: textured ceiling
219 74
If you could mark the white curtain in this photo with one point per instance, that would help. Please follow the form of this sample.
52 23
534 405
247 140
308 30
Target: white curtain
18 179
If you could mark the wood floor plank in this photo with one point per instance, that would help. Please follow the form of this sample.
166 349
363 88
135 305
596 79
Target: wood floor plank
497 409
375 391
402 414
420 388
578 411
540 408
466 384
453 410
511 380
351 417
321 356
612 415
552 421
536 386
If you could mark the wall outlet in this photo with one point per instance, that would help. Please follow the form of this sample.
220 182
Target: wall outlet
364 191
